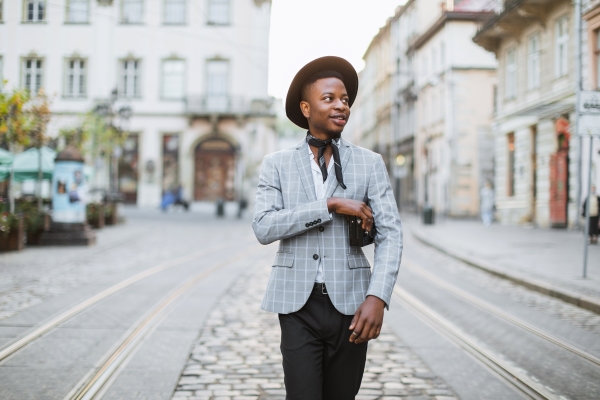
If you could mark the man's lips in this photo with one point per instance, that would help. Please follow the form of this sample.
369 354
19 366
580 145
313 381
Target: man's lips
339 120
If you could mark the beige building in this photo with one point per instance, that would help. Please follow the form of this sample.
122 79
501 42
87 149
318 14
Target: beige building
454 83
536 145
371 119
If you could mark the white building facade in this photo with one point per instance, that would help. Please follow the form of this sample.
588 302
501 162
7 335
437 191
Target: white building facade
194 74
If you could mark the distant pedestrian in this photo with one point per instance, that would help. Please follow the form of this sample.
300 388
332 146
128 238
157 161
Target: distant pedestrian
180 198
487 204
594 229
329 302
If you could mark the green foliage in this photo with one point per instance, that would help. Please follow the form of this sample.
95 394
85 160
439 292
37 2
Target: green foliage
93 211
24 118
32 218
93 135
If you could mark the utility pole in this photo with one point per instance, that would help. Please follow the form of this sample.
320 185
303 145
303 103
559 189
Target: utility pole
578 87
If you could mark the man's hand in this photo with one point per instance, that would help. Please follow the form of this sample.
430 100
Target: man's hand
352 207
367 321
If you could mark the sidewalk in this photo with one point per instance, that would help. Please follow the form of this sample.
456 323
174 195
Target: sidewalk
547 260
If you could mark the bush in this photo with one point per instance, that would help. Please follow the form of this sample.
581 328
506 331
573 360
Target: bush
93 211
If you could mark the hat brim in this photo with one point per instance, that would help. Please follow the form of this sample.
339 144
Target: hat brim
349 75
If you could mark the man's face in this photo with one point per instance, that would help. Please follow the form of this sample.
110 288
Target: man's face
326 106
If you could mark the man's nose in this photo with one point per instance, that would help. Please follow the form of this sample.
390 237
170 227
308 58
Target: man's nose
339 105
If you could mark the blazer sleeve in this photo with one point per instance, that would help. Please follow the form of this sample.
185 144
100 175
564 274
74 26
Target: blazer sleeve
388 241
274 222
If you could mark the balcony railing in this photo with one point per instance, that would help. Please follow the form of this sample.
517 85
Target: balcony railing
228 106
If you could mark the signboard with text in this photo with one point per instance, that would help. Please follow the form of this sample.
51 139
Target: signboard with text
589 109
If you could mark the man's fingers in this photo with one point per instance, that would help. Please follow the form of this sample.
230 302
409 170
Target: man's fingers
357 331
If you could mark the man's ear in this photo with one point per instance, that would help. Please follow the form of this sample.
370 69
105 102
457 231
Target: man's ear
305 108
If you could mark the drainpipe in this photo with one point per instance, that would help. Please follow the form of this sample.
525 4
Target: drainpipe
578 84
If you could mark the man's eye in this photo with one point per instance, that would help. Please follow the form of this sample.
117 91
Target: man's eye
327 97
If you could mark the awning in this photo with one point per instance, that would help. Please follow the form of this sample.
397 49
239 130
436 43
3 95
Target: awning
26 164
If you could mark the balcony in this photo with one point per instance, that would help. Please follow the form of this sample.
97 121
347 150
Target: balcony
511 18
228 106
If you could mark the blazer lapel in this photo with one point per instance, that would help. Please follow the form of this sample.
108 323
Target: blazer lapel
345 153
303 164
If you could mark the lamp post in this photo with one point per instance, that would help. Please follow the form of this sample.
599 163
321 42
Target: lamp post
109 111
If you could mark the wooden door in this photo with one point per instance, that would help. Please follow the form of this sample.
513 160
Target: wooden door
214 171
559 188
128 169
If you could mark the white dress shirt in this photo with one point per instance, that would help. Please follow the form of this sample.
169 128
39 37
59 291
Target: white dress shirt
320 192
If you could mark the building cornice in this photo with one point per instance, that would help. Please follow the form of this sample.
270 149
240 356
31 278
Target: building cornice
476 16
516 16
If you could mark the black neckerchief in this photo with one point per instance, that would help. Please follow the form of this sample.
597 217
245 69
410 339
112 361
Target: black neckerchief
322 145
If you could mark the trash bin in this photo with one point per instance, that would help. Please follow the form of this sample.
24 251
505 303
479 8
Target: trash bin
428 215
220 207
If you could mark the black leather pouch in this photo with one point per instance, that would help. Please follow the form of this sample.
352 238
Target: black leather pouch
358 236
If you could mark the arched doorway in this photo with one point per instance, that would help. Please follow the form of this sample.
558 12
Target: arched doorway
214 170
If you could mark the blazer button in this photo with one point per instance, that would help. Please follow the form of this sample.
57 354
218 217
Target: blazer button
321 229
315 256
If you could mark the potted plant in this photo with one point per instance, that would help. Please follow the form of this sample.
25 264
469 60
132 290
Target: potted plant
110 213
95 215
12 232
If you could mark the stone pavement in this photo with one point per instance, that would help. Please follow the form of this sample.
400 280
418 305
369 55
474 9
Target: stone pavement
551 257
237 356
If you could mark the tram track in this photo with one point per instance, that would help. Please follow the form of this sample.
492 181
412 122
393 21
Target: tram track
488 354
95 382
71 312
496 311
527 387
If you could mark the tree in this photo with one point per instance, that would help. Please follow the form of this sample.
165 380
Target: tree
23 122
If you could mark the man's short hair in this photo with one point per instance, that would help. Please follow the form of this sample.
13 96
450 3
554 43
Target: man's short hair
308 83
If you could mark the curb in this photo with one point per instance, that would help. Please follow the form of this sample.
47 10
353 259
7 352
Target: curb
585 302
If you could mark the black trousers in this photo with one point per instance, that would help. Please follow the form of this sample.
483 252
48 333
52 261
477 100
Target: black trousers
319 362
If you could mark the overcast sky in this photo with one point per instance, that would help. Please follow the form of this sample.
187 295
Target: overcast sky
304 30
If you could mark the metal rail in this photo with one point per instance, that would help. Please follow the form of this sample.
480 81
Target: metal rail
71 312
107 368
521 382
461 294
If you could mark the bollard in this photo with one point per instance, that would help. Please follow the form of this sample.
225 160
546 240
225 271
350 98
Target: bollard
220 207
428 215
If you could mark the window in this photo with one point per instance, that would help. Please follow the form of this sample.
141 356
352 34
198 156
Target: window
175 12
217 84
129 83
533 62
511 165
75 83
511 74
131 11
173 79
34 10
597 57
562 41
77 11
32 74
218 12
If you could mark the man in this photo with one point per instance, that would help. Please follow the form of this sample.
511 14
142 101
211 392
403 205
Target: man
329 303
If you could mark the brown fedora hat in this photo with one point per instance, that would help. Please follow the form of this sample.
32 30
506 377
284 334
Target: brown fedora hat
292 101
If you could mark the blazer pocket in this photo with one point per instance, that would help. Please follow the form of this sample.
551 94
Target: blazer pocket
283 259
358 261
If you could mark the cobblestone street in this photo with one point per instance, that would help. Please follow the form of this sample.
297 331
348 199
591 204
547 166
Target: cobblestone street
181 319
237 356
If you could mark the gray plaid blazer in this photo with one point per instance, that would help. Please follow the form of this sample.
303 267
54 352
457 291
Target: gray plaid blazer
287 210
